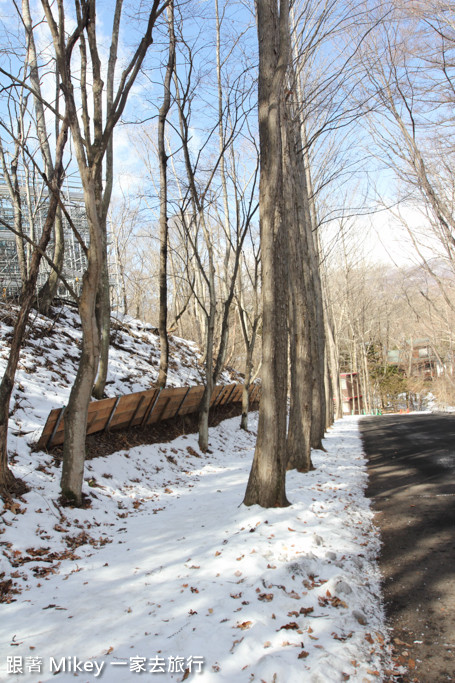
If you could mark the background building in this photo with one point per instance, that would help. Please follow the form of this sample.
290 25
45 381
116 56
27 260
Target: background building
417 359
351 393
34 210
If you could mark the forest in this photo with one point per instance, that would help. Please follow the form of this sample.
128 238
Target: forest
271 180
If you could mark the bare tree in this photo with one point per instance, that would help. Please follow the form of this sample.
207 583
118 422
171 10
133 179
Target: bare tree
208 230
164 229
410 78
92 147
38 189
48 291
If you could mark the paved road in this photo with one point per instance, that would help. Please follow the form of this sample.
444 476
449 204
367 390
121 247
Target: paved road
412 484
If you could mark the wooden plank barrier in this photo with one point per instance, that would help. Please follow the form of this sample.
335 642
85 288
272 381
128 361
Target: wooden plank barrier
142 408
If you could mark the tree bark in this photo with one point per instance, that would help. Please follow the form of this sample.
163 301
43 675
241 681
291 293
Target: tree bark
267 480
77 409
315 299
300 416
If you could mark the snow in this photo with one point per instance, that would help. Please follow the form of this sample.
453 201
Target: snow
168 571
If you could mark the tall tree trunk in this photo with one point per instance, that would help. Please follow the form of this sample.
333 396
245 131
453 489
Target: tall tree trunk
267 480
329 410
204 408
48 291
334 364
316 311
162 158
103 303
300 416
77 409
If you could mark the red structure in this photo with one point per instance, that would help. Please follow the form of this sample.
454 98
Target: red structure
351 393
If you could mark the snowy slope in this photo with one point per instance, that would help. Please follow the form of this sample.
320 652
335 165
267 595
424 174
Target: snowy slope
168 573
49 359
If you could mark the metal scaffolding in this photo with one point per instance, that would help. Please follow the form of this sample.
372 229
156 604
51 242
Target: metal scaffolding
34 202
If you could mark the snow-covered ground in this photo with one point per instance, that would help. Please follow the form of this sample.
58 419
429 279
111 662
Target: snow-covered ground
167 574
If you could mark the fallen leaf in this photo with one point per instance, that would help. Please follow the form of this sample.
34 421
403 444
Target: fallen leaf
265 597
293 625
244 625
303 654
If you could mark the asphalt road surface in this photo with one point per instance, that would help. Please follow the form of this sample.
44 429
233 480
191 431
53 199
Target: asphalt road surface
412 485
